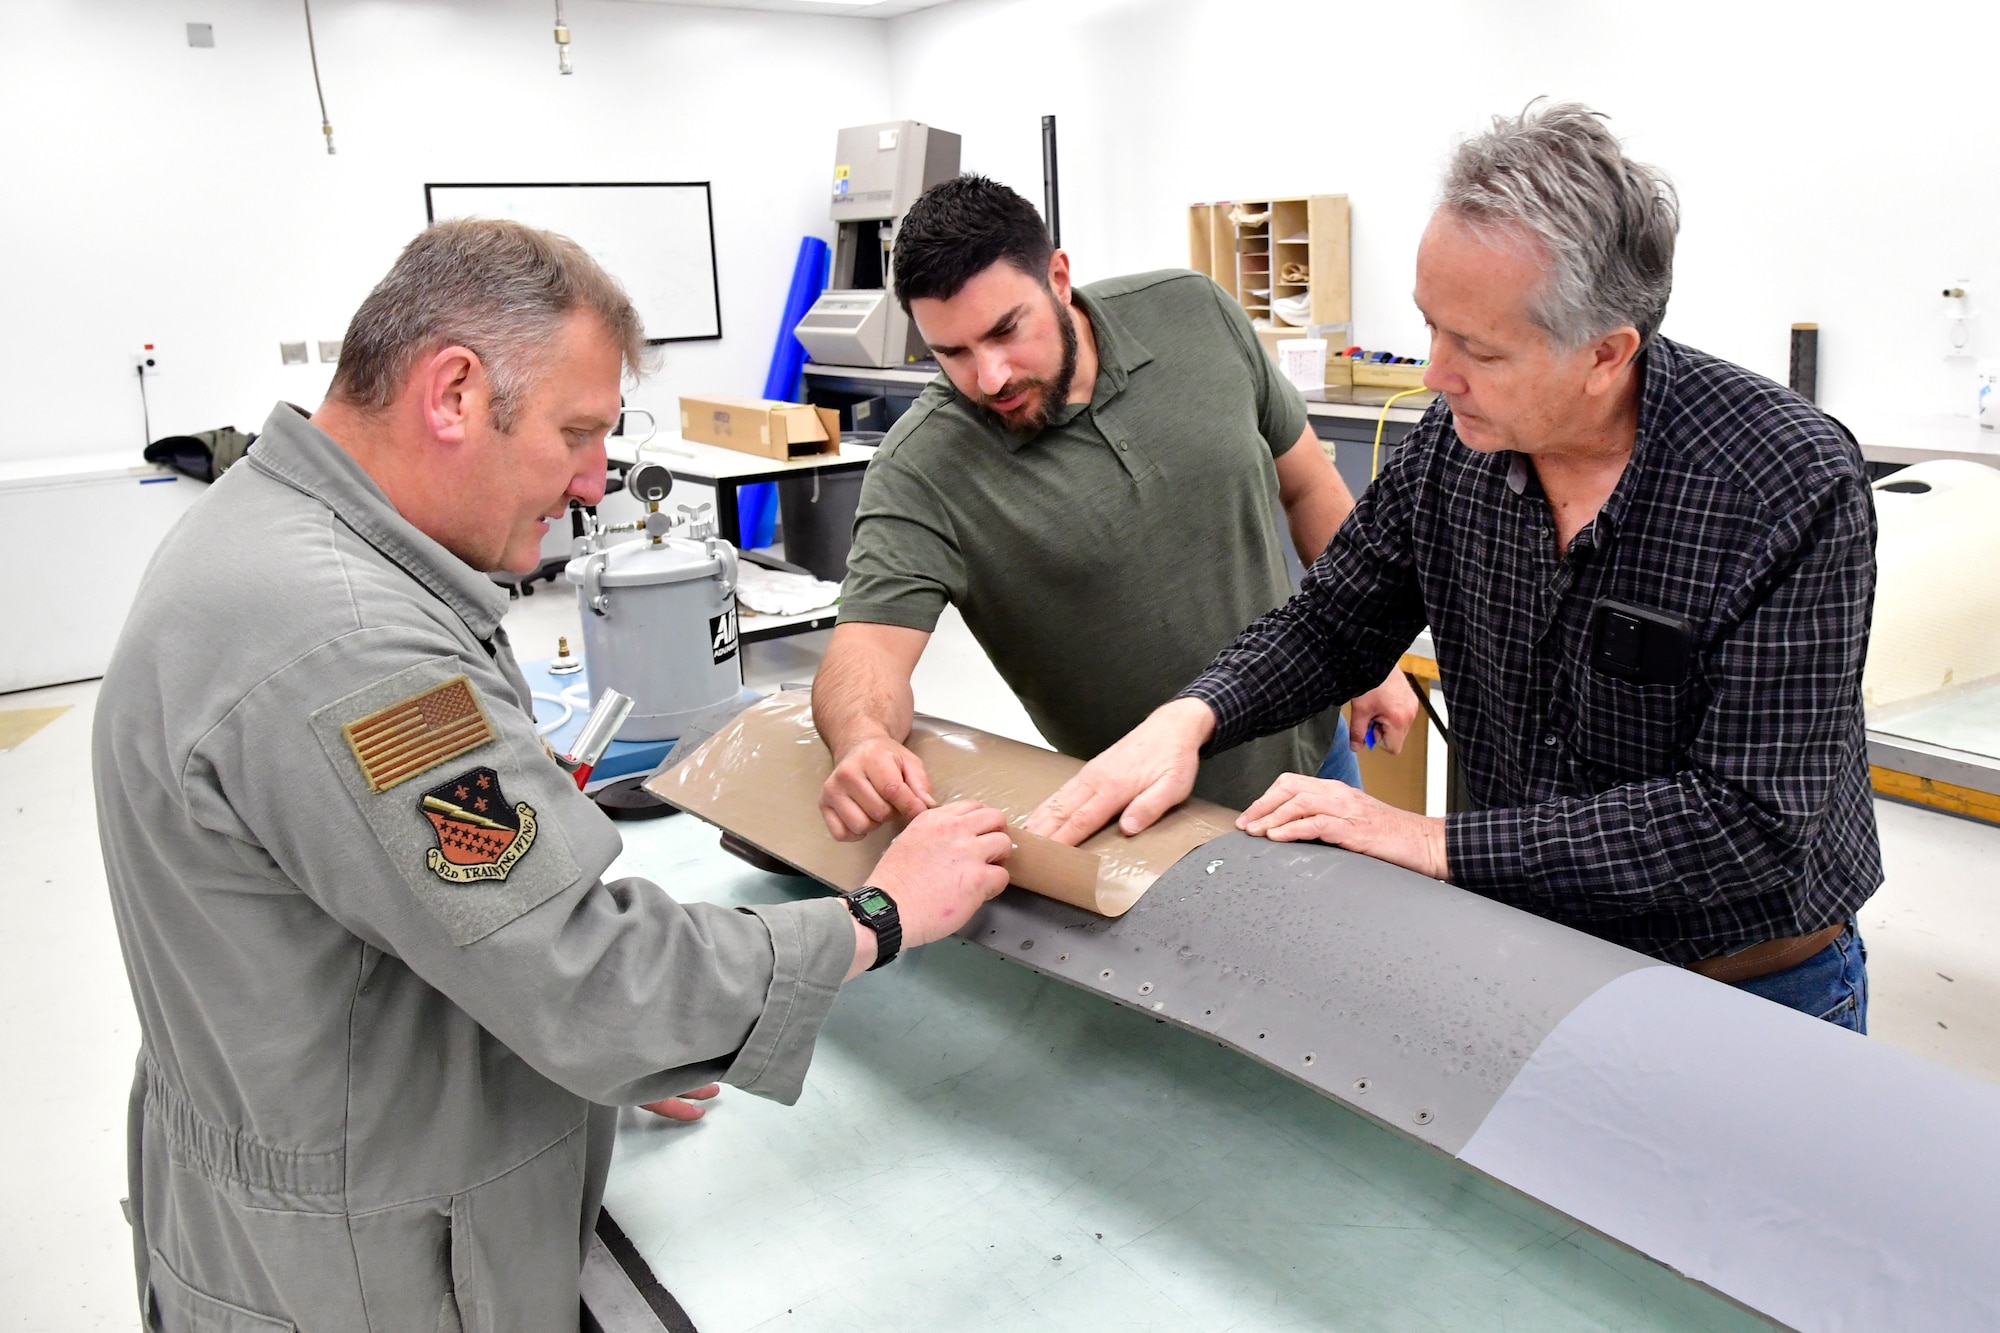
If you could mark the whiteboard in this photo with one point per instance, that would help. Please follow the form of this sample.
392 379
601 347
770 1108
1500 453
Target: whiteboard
657 239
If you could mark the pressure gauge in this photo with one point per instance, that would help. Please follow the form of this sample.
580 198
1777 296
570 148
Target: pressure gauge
649 483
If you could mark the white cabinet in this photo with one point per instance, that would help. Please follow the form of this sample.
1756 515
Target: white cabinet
76 534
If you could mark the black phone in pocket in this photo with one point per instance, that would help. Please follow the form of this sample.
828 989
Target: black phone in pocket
1639 644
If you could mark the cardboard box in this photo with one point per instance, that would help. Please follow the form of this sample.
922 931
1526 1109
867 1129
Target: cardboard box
758 426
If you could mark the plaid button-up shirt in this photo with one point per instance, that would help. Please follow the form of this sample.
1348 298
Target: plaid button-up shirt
1683 820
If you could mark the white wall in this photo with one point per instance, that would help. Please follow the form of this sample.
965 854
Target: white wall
1837 163
158 193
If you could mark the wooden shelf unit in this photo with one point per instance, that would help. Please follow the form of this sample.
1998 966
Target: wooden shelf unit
1250 259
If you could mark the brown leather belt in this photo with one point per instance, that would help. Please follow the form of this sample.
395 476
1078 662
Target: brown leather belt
1761 960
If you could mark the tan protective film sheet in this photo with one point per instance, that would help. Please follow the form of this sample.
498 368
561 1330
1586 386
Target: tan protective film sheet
760 778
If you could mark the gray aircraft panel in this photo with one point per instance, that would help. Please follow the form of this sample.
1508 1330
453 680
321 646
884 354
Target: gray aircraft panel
1412 1001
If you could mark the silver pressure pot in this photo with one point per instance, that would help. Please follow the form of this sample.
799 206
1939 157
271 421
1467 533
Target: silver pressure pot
659 614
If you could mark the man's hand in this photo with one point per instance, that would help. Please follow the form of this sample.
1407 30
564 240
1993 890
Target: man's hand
1390 707
1303 809
1147 773
872 780
683 1107
940 870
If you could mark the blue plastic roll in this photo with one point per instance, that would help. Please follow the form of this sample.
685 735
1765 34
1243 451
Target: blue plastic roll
757 506
789 357
757 514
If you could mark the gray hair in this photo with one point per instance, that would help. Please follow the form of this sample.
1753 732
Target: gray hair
1607 224
499 288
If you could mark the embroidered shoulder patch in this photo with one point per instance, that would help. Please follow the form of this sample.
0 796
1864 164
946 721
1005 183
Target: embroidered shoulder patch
414 735
471 855
479 836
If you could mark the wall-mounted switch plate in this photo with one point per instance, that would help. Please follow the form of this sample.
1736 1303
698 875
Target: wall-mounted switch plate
329 351
294 354
147 359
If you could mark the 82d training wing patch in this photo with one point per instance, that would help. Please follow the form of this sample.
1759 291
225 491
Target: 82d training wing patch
479 835
473 852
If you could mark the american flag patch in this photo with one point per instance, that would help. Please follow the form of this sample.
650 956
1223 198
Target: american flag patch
417 734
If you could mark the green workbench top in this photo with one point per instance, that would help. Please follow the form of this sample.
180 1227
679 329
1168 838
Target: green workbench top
979 1146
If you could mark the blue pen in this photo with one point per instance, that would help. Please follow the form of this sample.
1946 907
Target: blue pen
1370 737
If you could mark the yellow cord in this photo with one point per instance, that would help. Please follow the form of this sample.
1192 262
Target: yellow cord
1375 465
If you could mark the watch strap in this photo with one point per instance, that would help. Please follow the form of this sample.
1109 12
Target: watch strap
888 926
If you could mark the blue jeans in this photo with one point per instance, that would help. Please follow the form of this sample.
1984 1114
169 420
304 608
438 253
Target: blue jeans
1832 984
1340 762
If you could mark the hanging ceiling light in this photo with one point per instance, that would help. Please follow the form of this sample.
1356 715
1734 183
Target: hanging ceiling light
562 42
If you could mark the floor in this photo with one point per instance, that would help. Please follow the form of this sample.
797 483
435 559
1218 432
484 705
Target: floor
68 1034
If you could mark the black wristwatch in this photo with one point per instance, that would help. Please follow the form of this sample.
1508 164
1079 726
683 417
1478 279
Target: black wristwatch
877 911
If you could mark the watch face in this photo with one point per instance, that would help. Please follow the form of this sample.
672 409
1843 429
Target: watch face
873 902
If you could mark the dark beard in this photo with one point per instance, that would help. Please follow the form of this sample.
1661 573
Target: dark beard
1055 392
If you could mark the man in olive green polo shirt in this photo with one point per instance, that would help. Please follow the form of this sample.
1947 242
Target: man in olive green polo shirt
1093 481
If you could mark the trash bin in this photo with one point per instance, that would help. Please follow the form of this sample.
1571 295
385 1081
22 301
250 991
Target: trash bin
818 515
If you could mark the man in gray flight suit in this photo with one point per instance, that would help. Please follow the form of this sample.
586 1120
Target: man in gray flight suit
384 991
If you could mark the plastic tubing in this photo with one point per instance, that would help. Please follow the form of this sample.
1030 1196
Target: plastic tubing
1375 465
568 707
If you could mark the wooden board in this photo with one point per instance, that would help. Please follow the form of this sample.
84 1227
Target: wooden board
1968 801
1384 375
1327 224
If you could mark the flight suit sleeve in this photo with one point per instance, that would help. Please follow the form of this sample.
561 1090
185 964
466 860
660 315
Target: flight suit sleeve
395 781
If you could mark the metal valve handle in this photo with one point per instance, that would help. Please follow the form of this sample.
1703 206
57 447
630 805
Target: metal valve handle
725 555
594 595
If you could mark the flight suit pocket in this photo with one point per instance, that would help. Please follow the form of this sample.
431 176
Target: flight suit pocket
178 1307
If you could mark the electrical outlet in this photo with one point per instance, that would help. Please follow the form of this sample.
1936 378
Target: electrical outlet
292 354
329 351
147 359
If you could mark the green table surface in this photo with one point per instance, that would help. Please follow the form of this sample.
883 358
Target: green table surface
981 1147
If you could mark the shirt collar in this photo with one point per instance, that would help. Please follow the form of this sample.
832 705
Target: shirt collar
293 450
1659 366
1119 353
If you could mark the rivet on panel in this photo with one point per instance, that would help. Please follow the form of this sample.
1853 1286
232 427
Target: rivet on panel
1361 1085
1262 1035
1105 975
1309 1057
1145 988
1027 944
1423 1116
1062 958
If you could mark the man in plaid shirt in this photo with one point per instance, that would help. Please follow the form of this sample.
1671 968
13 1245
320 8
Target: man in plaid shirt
1648 574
